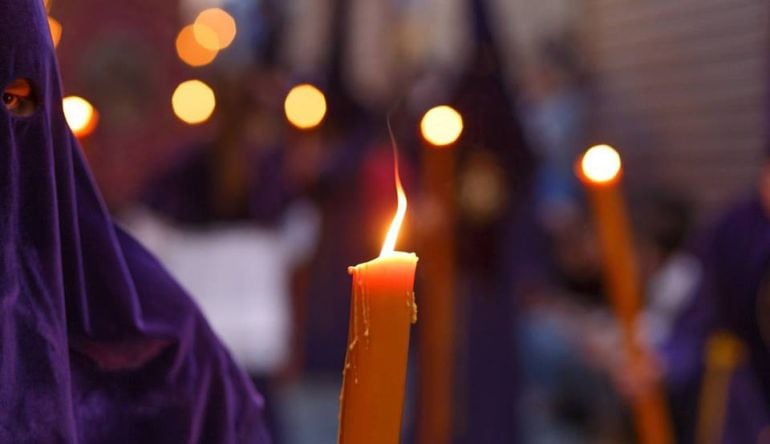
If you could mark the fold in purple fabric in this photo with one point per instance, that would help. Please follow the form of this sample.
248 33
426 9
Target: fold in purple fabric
97 342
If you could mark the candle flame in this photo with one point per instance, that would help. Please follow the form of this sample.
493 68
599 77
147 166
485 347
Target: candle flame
388 248
305 106
601 164
80 115
441 126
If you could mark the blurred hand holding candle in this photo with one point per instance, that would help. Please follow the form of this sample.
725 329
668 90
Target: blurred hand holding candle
600 170
381 313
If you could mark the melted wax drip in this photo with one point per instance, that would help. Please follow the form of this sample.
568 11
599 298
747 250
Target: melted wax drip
411 305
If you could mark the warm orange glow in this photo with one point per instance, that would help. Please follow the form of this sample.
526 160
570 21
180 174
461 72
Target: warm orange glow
388 248
305 106
80 115
206 37
190 50
441 125
56 29
220 23
193 102
600 164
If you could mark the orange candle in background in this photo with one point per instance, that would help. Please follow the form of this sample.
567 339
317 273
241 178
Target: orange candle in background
600 170
724 353
381 313
440 128
80 115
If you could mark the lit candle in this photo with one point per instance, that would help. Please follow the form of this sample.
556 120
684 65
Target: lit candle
80 115
600 170
381 313
440 127
305 106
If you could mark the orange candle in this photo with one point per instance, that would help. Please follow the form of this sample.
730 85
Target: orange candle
81 116
381 313
600 170
724 353
441 126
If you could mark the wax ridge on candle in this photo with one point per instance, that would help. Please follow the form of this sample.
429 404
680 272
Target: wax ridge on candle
411 304
350 365
367 318
361 306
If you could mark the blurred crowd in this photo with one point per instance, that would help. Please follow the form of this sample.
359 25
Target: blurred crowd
260 220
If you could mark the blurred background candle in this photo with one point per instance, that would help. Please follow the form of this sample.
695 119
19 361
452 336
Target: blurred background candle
81 116
440 127
724 353
600 170
382 310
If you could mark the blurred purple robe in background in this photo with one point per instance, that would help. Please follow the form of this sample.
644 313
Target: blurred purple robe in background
498 246
99 343
733 296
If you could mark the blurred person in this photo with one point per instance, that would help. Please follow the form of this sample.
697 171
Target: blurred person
732 296
554 111
498 242
671 272
225 220
99 343
563 332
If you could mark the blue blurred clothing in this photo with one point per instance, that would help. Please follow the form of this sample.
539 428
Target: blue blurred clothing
556 125
310 409
565 399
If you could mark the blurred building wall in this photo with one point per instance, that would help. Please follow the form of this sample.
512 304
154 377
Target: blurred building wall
681 86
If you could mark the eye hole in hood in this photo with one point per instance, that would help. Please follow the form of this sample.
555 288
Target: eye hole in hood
18 98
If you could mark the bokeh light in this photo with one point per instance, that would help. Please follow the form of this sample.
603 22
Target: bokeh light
193 102
441 125
305 106
190 50
220 23
600 164
206 37
80 115
56 29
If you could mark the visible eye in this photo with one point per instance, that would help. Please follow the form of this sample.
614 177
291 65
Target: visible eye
17 98
11 101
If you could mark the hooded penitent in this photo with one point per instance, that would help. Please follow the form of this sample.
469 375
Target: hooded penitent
97 341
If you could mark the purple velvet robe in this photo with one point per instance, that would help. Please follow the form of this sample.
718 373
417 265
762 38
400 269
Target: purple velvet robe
97 342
